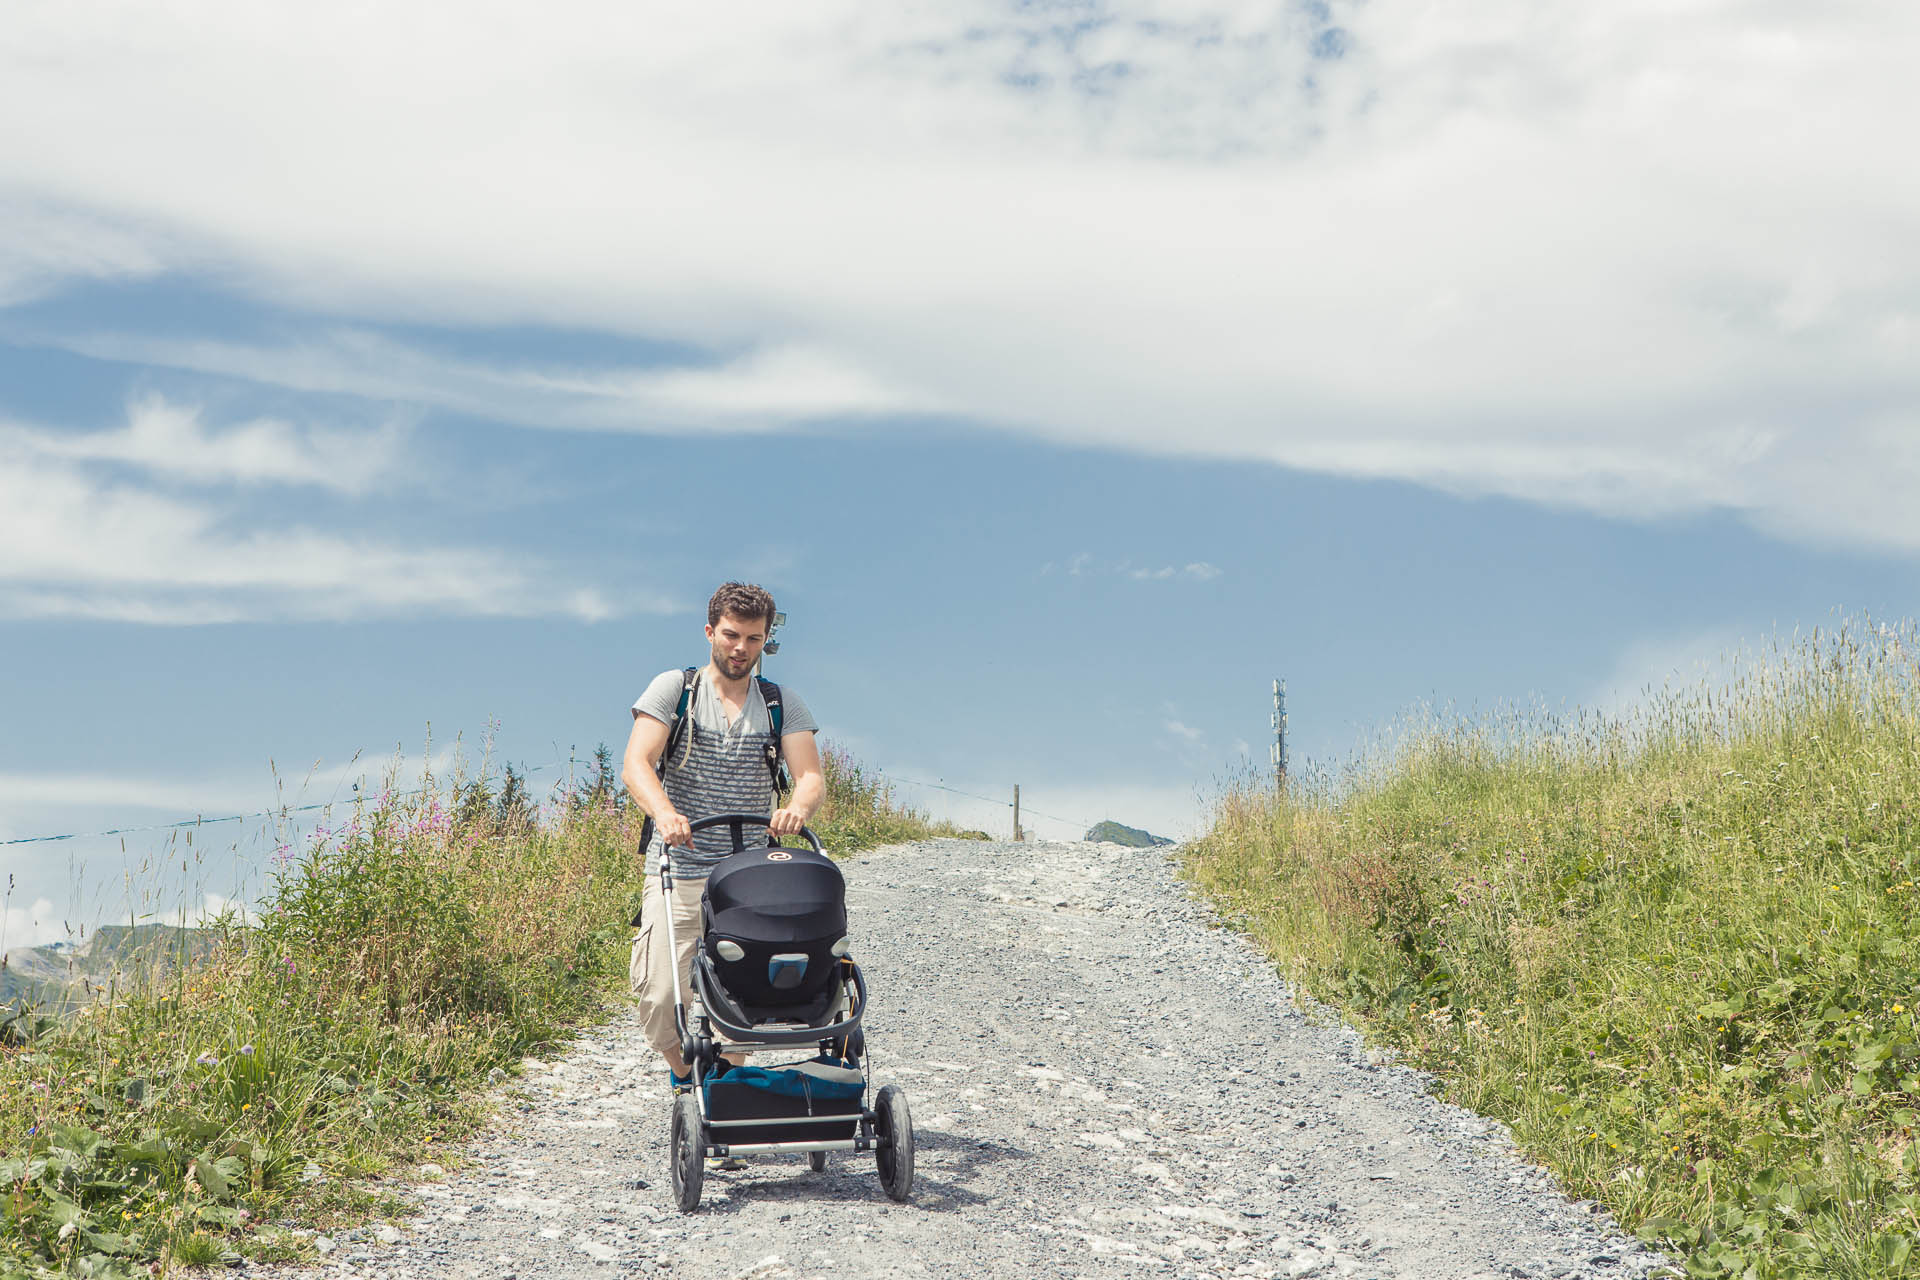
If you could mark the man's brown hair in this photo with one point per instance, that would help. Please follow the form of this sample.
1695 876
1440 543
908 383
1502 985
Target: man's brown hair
743 600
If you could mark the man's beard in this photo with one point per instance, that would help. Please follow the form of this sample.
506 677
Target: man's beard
729 665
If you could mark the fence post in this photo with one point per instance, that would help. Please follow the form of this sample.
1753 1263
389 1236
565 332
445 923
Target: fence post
1018 835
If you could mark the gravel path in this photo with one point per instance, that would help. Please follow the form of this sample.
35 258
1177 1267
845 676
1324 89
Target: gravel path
1102 1082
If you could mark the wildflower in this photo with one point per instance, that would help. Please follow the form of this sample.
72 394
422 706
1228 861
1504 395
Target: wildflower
207 1060
246 1051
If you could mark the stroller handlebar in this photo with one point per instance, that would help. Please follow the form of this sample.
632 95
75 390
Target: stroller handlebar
738 822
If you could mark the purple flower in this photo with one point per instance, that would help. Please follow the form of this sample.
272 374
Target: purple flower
246 1051
207 1060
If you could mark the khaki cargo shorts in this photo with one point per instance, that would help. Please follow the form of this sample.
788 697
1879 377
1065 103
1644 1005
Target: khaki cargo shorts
649 964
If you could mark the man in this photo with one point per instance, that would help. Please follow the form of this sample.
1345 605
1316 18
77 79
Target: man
719 764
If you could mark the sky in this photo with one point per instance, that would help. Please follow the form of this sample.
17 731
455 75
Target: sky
378 381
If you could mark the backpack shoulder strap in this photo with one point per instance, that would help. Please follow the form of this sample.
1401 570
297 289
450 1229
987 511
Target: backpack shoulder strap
688 678
776 767
770 692
675 731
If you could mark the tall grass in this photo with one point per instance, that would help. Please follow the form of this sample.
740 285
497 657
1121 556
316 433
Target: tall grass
398 962
1677 952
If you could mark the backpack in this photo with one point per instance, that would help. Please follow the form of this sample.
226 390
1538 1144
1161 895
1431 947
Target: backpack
677 730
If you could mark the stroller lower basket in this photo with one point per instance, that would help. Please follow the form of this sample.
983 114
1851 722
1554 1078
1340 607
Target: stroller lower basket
814 1101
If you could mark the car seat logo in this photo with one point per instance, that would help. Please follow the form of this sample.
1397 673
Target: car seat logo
778 856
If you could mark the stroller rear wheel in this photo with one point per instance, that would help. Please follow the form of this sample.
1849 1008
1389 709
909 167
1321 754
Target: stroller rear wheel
687 1153
893 1151
817 1161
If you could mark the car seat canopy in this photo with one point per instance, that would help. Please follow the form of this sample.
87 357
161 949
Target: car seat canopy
774 923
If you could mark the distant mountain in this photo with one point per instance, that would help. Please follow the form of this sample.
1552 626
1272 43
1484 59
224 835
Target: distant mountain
57 976
1111 832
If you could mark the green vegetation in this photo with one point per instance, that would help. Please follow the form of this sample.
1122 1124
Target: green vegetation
860 810
1111 832
426 942
1679 955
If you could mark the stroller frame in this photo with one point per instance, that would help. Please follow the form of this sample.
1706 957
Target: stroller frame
885 1128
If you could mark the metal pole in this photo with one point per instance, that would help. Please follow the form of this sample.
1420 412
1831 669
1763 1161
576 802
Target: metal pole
1279 753
1018 835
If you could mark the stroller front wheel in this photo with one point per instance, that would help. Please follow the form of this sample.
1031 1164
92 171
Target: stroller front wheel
687 1153
817 1161
893 1151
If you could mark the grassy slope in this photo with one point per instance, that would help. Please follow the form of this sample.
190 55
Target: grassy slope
402 958
1680 957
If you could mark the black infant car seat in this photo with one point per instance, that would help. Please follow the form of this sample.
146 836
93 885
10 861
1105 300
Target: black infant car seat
774 929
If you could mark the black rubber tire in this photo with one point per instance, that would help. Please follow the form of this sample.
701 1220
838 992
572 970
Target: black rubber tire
817 1161
687 1153
893 1150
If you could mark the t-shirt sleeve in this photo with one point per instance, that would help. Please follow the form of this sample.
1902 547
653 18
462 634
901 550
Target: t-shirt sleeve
794 716
662 697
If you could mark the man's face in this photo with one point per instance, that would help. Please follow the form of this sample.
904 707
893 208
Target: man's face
736 644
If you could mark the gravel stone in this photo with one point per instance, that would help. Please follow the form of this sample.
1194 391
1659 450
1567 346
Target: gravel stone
1105 1082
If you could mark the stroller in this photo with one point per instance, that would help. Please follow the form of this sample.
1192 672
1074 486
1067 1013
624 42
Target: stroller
771 972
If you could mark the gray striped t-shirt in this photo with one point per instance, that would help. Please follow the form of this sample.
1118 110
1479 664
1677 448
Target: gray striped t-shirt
717 767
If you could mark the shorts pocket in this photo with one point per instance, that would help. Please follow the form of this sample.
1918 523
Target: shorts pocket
637 960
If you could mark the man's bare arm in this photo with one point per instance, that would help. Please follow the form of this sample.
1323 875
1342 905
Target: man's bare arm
637 771
802 755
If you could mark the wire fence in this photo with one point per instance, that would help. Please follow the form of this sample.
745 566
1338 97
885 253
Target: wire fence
197 821
287 811
1025 808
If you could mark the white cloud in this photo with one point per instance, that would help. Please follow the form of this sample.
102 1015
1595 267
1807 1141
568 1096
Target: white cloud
760 391
215 905
1707 657
35 793
35 925
1083 563
170 439
1184 732
45 247
1640 258
83 546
